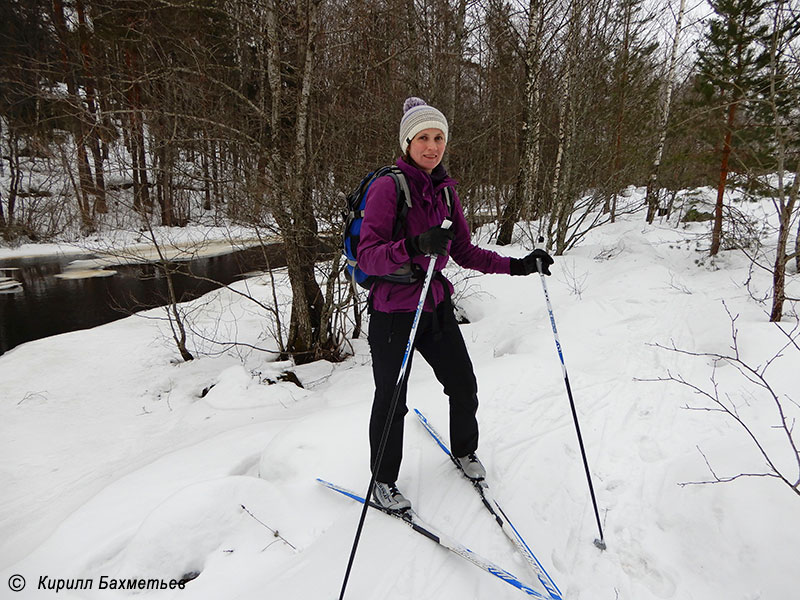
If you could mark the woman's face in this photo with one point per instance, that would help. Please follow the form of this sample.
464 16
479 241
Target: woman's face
427 148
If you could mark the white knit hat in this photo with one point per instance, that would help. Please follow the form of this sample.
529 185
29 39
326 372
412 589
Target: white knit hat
417 115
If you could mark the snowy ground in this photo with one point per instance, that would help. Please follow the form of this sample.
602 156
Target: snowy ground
119 461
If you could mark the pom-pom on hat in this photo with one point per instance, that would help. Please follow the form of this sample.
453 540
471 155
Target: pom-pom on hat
417 115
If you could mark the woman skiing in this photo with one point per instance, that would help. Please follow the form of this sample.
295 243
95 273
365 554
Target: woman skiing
383 251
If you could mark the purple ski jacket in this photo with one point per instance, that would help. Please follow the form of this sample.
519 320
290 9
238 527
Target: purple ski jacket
380 254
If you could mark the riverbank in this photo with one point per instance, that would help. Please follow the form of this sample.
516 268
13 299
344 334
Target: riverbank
127 247
66 287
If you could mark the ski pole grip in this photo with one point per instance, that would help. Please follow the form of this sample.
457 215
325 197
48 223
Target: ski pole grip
539 260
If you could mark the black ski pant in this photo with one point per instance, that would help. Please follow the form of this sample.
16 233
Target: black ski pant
441 344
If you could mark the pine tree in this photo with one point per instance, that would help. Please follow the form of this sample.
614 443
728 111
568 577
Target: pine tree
730 66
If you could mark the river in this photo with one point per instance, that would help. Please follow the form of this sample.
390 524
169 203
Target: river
58 294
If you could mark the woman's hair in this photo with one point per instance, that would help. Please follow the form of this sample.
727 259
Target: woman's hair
410 161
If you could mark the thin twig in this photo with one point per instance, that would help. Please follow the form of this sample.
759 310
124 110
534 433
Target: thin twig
274 531
722 402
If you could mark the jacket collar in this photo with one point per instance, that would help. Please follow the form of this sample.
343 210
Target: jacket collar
419 179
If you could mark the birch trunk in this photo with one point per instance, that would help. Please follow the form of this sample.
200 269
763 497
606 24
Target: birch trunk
561 204
562 140
533 61
652 195
781 258
622 87
524 195
785 206
797 237
563 209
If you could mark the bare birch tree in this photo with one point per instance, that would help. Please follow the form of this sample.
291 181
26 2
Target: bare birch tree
784 92
560 205
666 104
529 164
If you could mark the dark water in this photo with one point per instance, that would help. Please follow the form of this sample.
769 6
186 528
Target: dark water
47 305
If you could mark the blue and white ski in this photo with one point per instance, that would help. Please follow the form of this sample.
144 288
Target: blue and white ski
409 517
499 515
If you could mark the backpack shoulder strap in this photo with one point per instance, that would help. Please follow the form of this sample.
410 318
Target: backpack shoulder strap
403 198
402 186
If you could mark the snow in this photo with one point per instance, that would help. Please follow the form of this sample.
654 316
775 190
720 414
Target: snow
132 246
119 461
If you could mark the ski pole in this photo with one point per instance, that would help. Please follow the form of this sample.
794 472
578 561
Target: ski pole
599 542
392 407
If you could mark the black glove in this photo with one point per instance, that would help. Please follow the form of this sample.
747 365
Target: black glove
528 265
433 241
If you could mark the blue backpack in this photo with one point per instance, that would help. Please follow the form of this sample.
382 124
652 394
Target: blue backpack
354 216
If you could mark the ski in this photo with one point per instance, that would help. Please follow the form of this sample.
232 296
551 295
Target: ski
499 515
412 519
